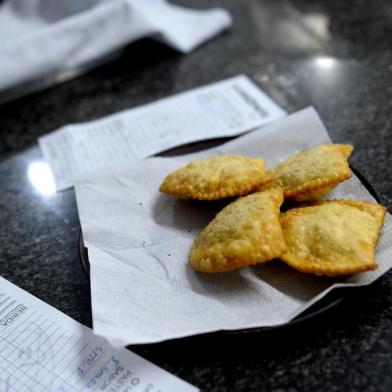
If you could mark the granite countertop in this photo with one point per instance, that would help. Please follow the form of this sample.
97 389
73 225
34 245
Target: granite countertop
335 56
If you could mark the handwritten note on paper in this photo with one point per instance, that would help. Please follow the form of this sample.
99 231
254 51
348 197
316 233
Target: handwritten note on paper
42 349
225 108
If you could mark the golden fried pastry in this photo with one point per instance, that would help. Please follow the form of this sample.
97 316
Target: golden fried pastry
333 238
376 210
311 174
216 177
245 232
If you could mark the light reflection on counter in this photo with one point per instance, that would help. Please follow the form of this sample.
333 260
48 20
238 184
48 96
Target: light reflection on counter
325 63
41 178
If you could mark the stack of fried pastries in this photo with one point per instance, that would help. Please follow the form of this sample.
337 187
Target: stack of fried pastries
322 237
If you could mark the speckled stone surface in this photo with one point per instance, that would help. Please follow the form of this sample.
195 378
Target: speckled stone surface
333 55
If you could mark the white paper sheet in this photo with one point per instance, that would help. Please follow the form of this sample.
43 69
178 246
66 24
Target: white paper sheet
42 349
225 108
42 38
139 240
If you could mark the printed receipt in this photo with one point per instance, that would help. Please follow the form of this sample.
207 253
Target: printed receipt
42 349
225 108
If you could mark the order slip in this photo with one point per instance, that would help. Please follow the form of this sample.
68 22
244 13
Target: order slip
226 108
42 349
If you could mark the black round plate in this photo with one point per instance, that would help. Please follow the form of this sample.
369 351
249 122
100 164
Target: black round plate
326 303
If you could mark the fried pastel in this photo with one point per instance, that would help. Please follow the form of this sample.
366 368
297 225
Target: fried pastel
311 174
333 238
376 210
216 177
245 232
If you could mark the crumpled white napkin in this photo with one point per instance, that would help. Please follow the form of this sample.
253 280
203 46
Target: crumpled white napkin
41 37
143 288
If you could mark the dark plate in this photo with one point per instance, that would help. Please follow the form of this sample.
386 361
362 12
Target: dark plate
326 303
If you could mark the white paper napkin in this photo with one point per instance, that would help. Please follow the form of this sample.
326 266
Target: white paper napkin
143 289
41 37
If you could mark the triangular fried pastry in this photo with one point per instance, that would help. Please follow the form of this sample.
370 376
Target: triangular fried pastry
216 177
311 174
245 232
333 238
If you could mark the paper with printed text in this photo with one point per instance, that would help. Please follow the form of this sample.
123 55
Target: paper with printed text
226 108
42 349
